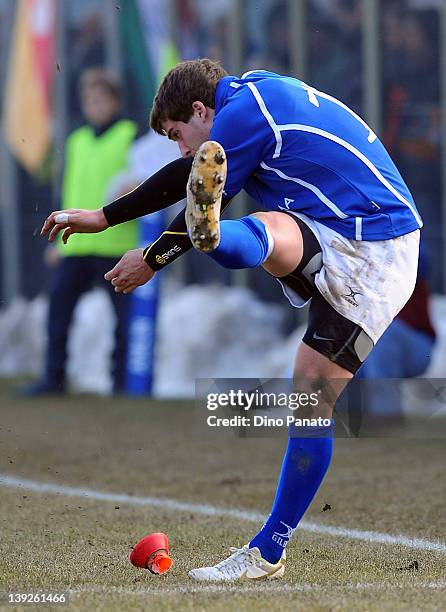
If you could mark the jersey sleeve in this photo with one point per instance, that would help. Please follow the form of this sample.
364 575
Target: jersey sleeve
244 133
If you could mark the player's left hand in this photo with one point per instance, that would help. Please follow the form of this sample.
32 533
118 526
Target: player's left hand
130 272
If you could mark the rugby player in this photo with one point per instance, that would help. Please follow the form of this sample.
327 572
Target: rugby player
340 230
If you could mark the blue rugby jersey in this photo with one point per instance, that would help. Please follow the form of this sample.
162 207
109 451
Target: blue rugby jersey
292 147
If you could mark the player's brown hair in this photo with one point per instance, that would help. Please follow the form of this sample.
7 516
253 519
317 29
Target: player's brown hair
188 82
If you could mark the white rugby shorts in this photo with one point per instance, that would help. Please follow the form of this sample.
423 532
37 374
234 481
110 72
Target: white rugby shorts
368 282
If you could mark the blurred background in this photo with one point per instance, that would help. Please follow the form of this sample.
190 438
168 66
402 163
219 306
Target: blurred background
386 59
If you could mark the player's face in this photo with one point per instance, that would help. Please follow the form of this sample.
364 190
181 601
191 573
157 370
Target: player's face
189 136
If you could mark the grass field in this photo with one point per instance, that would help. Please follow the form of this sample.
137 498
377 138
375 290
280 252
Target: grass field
61 540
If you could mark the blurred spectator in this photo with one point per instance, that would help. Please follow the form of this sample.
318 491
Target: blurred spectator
271 51
334 54
403 351
204 29
95 153
412 111
85 46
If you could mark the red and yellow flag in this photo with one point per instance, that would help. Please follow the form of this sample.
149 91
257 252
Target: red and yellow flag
27 106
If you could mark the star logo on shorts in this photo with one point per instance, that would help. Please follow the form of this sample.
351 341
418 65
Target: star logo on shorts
351 297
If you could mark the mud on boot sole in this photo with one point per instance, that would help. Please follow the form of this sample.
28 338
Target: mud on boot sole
204 192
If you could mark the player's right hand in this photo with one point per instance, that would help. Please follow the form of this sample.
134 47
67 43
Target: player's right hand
73 221
130 272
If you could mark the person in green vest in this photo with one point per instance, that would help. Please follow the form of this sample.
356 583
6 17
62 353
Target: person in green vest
95 153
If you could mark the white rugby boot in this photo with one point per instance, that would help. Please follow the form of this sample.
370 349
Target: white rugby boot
244 564
204 192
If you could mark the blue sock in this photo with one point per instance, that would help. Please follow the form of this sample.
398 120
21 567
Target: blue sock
244 243
304 466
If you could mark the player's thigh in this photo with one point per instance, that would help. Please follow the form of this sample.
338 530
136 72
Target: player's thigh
288 242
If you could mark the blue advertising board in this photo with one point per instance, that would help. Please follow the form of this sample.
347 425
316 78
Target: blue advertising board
142 320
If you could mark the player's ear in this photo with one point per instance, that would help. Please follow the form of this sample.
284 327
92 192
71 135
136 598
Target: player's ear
199 109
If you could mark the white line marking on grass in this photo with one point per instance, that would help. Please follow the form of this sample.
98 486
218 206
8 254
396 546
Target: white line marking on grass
207 510
258 587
